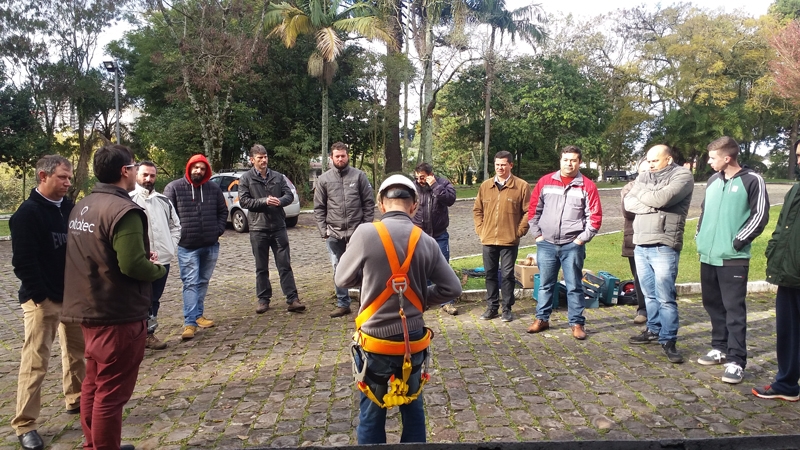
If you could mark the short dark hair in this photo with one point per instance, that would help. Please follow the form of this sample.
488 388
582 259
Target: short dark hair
257 149
424 168
502 154
49 163
148 164
725 145
109 160
338 146
573 149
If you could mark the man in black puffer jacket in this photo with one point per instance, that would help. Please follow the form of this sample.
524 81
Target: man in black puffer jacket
203 213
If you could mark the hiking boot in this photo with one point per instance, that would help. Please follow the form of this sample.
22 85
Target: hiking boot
507 316
296 306
645 337
768 392
262 307
489 314
640 319
673 355
712 358
733 373
341 311
154 343
538 326
202 322
188 332
450 308
578 332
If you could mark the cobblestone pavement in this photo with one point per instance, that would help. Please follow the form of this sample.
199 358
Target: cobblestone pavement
282 379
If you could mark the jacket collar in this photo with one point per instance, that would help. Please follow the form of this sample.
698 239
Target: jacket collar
577 181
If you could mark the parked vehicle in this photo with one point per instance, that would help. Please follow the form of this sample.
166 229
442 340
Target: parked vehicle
237 216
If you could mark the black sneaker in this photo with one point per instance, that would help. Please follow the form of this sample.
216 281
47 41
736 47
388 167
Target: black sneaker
489 314
507 316
673 355
645 337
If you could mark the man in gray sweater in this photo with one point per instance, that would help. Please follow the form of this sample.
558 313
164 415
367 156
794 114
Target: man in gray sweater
386 315
660 199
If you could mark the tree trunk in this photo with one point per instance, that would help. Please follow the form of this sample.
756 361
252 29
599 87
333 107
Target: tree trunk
425 115
405 116
487 110
792 151
392 152
324 139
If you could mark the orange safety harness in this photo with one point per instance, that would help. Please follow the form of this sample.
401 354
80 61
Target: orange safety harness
397 284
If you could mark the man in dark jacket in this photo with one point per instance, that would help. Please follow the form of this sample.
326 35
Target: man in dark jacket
783 270
734 212
108 282
204 214
436 195
264 193
343 200
39 247
628 247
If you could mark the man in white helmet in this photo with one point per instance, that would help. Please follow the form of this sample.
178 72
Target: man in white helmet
370 266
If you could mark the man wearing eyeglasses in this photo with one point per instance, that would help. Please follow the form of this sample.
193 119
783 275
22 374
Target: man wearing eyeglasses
436 195
108 276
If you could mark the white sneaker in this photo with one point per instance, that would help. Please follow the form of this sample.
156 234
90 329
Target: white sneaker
713 358
733 373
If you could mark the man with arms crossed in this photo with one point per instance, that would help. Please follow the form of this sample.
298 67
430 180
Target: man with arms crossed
164 232
264 193
564 215
735 211
108 280
39 247
660 199
436 195
342 201
500 213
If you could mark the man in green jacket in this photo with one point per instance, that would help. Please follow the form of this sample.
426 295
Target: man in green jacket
734 212
783 270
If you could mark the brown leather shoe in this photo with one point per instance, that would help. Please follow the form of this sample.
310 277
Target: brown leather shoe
296 306
578 332
538 326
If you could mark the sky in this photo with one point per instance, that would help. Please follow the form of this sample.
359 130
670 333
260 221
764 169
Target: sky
590 8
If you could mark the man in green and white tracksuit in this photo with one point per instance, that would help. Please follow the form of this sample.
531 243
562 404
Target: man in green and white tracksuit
735 212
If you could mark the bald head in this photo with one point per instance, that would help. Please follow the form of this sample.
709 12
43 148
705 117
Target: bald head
659 157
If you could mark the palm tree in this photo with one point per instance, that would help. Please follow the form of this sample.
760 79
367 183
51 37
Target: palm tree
325 19
524 22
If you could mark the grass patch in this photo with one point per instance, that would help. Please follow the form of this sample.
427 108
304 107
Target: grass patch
603 253
4 230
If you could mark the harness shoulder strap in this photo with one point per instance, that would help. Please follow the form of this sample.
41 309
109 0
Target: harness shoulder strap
399 273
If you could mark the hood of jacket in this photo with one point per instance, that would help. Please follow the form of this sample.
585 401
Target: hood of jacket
196 159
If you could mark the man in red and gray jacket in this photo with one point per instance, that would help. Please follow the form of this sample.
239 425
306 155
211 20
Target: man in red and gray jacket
564 215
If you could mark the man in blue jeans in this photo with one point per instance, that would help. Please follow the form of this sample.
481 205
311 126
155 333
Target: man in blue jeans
203 213
660 199
436 195
564 214
385 259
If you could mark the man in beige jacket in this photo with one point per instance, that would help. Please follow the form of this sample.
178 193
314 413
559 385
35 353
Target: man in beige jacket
501 219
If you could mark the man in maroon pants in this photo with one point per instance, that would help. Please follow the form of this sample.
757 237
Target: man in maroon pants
107 290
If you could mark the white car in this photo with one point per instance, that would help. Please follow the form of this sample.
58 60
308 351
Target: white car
229 182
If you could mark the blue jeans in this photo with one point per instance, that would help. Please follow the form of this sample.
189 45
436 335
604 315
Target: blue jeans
502 258
336 248
196 267
657 267
569 258
372 418
444 245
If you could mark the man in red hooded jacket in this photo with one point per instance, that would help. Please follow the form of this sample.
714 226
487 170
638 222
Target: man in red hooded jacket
203 214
